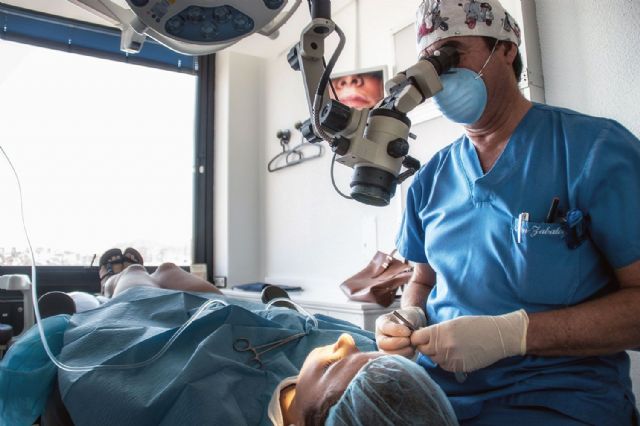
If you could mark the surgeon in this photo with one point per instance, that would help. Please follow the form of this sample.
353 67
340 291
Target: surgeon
526 290
233 365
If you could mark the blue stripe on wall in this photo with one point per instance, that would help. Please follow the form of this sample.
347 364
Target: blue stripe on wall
55 32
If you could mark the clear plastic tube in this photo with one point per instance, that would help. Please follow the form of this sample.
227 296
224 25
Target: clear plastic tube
43 337
298 307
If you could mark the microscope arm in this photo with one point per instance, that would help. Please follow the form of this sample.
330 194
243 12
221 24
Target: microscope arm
310 56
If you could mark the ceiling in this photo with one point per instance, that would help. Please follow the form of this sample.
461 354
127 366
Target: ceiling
256 44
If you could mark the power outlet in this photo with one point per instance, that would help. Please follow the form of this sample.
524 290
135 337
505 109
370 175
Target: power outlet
220 282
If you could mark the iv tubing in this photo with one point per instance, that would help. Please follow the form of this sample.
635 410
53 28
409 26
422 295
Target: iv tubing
298 307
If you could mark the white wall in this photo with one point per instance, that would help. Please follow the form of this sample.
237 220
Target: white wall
238 118
590 56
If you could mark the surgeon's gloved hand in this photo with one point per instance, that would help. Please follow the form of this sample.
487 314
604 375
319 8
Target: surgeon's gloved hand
472 342
393 337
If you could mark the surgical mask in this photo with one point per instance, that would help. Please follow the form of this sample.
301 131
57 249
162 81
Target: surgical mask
463 98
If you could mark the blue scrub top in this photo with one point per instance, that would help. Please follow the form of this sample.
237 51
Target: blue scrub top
201 379
463 223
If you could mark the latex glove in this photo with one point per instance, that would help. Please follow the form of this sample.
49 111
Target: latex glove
473 342
393 337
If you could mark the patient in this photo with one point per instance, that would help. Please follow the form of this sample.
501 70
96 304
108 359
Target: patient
308 370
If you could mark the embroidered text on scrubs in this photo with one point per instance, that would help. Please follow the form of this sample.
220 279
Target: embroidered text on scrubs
536 230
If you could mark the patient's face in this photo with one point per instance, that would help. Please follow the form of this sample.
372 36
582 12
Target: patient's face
358 90
327 371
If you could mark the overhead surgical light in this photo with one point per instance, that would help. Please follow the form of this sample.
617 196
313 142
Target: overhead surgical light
191 27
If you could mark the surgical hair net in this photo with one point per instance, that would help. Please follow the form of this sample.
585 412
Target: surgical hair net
441 19
392 390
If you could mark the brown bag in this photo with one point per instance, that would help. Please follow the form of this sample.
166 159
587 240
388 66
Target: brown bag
379 280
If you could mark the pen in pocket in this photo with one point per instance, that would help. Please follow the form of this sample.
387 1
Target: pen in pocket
553 210
522 218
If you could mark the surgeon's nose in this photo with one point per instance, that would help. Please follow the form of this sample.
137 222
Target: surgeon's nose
345 344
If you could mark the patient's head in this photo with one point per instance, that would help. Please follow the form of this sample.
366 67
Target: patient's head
326 373
339 385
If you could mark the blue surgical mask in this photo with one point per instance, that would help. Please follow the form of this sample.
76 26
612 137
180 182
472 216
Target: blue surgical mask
463 97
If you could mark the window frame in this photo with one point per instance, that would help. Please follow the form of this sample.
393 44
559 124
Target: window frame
85 277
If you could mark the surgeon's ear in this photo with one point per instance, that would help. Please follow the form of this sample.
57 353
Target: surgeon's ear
510 51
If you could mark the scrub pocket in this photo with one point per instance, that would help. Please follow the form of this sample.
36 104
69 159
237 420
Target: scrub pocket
546 270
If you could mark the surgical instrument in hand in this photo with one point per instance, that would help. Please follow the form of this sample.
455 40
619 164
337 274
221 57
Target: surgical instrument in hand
404 320
460 376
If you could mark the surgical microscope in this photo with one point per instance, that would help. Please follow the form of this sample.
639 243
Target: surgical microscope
374 142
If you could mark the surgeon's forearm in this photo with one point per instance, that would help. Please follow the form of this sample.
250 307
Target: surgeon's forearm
419 287
415 295
598 327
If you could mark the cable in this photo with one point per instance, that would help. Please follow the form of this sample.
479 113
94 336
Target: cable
333 89
324 63
322 85
333 180
36 309
317 101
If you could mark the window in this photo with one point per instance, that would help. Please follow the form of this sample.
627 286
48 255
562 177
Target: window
105 155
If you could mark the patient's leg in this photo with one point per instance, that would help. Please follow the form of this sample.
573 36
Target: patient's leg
168 276
133 276
173 277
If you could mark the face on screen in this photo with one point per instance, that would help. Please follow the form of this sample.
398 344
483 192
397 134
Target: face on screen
359 91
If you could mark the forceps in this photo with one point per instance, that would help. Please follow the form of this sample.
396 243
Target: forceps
242 344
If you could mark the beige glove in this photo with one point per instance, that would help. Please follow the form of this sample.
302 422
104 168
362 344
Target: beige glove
473 342
393 337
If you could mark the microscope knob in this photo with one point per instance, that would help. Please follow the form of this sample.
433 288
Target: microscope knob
6 333
340 145
398 148
335 116
306 129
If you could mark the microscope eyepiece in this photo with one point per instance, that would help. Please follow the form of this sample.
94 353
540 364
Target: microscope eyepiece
444 58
